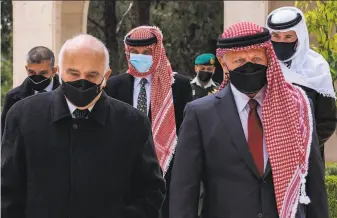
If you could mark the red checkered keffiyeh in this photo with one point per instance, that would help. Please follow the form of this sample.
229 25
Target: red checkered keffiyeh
287 125
162 108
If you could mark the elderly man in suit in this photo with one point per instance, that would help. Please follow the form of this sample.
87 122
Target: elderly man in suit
42 77
152 87
253 144
68 153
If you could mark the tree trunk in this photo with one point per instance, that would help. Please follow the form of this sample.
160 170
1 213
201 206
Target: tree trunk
110 34
140 13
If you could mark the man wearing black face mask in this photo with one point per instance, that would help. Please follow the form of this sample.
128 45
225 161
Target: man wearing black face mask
42 77
252 143
202 84
304 67
68 153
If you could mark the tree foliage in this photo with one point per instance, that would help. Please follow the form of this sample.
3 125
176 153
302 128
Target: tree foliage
189 28
321 19
6 48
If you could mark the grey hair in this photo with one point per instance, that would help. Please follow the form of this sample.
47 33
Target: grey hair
40 53
84 40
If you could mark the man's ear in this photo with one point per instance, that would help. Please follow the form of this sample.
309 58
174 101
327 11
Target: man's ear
196 68
106 77
26 67
54 71
221 61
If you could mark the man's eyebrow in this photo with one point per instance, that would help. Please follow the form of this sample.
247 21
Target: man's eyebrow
72 70
93 73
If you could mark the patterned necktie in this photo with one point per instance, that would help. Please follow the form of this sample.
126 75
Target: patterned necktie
142 99
255 136
81 114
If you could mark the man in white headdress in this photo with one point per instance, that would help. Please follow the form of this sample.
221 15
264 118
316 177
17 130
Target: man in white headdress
304 67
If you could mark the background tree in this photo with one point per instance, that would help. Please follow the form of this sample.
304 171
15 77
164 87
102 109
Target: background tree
321 19
6 47
189 28
106 21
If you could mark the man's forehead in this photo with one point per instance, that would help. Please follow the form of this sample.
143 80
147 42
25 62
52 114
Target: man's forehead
246 52
140 48
290 32
201 65
41 64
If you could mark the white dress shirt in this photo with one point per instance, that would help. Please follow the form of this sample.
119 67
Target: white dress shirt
209 84
241 101
72 108
49 88
136 90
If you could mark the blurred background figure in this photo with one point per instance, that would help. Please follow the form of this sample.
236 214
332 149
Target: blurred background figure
203 84
41 77
304 67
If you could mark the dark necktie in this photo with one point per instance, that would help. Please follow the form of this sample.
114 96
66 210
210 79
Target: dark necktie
142 99
255 136
81 114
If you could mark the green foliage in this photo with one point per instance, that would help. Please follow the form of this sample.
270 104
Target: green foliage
331 170
6 48
331 186
188 28
321 19
6 76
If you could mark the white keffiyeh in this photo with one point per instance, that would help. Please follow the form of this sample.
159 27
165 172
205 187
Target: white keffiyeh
308 68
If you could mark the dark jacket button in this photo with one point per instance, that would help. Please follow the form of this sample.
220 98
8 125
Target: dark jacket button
75 126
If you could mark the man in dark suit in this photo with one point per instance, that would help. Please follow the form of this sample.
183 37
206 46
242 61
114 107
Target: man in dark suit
68 153
151 86
41 78
253 144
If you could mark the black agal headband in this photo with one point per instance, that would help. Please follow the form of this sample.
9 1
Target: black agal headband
140 42
243 41
285 25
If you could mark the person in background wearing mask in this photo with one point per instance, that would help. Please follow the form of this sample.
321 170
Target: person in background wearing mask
68 153
42 77
304 67
252 143
202 84
151 86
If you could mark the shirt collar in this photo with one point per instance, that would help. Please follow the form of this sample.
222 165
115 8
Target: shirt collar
138 79
72 107
209 84
241 99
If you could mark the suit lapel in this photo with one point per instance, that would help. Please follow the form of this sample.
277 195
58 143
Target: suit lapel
227 110
128 89
56 82
25 89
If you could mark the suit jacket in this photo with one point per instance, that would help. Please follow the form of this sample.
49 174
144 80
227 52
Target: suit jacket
121 87
212 148
18 93
58 167
325 115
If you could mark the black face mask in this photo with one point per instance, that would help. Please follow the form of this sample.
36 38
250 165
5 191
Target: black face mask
204 76
249 78
39 82
81 92
284 50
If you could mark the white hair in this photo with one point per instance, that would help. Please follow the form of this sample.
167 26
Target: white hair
82 41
